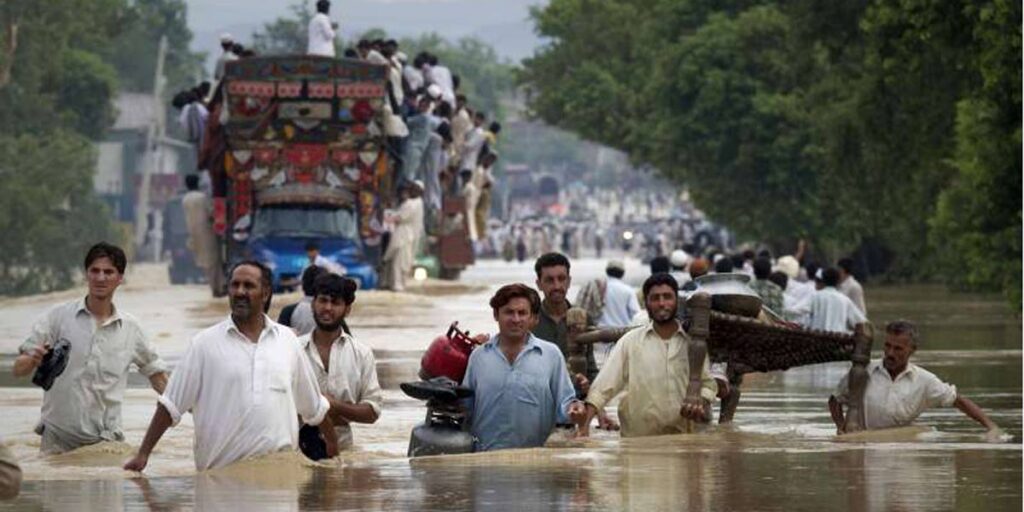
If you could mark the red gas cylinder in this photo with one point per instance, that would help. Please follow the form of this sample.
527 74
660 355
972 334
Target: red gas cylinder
447 356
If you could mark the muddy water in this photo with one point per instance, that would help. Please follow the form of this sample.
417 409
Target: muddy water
779 454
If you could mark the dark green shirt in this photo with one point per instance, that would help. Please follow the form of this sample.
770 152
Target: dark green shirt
558 333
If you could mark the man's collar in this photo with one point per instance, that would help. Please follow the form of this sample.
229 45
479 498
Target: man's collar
649 328
307 338
910 371
530 342
268 325
115 315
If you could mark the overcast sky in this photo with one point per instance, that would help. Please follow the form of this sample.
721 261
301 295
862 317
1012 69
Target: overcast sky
502 23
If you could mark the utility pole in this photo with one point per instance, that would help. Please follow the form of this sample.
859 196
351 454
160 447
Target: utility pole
153 147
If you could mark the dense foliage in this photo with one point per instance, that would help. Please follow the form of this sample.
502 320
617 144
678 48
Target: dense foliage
62 63
892 125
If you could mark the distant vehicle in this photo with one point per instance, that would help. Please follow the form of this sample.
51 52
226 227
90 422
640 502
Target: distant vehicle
182 269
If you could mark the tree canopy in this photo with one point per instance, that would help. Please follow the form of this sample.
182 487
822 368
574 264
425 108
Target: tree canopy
62 62
891 125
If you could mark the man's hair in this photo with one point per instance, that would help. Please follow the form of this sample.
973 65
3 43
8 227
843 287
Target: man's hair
617 273
432 59
661 278
480 114
830 276
312 246
506 293
738 260
780 278
898 327
764 253
105 250
461 98
192 182
748 254
495 128
266 277
323 6
660 264
335 287
812 269
724 265
551 259
846 264
443 110
309 277
762 268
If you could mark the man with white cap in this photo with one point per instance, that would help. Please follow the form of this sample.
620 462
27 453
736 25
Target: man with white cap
797 295
226 43
406 236
679 260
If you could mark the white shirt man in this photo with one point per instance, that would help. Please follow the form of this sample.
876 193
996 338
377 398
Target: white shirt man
244 396
405 240
475 140
442 76
84 405
898 402
321 36
832 311
853 289
226 56
351 377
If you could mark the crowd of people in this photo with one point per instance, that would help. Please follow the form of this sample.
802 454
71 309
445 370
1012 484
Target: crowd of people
440 144
255 386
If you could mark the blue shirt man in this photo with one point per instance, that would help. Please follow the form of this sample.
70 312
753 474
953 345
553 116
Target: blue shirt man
520 382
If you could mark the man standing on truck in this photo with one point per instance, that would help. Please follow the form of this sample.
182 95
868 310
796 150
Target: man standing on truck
321 31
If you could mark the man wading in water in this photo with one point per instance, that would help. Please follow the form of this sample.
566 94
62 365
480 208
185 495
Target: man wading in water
245 380
520 382
83 406
652 365
899 391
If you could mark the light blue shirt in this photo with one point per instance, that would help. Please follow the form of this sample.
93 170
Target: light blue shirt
620 304
516 405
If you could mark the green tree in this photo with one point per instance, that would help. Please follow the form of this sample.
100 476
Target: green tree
853 124
977 224
48 211
133 51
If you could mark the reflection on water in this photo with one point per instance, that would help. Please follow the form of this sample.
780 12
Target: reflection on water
713 472
779 455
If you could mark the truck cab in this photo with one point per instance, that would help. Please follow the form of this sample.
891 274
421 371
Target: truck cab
280 234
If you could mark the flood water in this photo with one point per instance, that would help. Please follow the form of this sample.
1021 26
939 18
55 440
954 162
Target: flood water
780 454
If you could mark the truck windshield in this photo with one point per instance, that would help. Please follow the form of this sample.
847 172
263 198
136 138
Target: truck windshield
302 221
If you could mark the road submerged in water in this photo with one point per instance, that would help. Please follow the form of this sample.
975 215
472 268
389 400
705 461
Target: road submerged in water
781 450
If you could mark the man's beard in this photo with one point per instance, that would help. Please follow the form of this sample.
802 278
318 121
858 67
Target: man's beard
328 327
242 308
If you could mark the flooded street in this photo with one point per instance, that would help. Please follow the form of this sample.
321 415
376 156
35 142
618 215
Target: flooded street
780 452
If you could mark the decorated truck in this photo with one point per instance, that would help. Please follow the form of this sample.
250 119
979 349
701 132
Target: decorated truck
302 159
